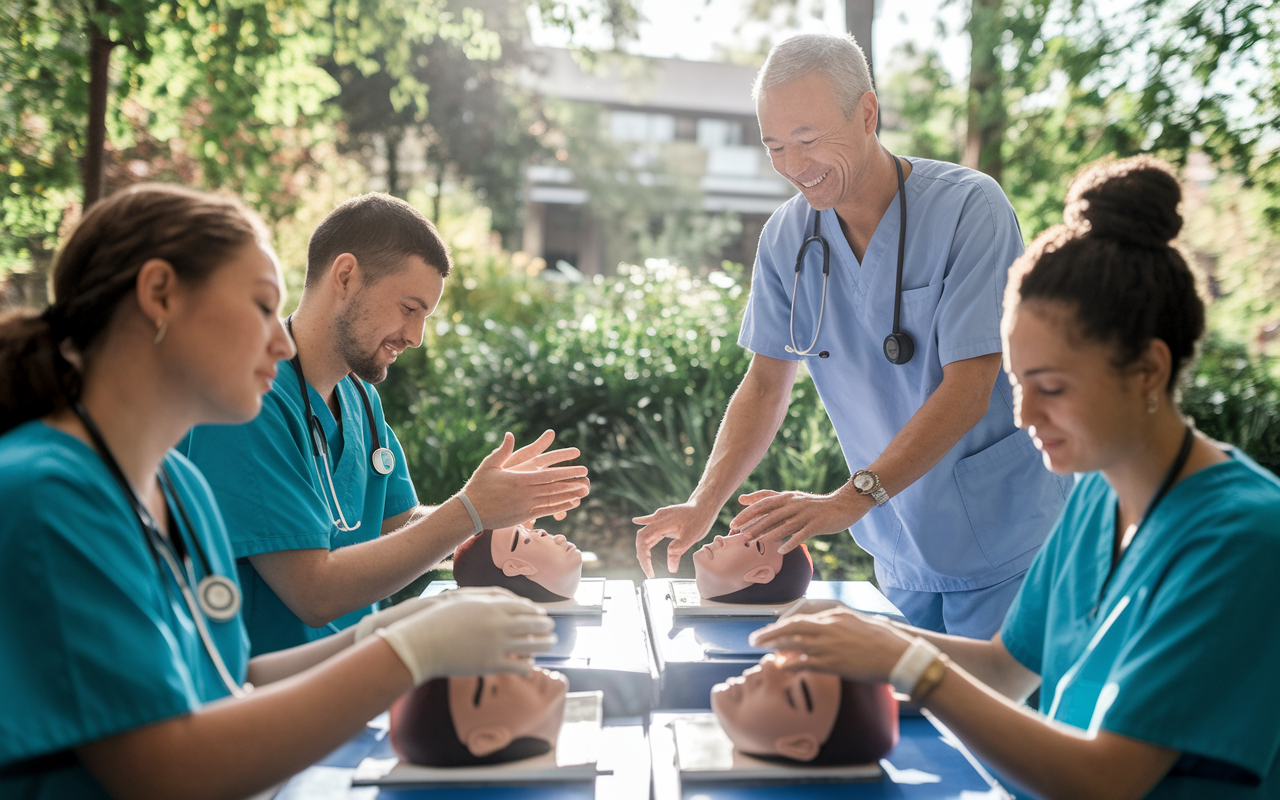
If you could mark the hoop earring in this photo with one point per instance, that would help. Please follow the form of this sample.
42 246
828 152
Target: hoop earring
161 330
1153 403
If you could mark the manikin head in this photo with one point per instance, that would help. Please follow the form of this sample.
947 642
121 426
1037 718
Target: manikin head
485 719
734 570
531 563
810 717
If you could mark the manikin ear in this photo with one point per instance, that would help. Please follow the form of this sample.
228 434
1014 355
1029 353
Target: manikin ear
800 746
483 741
517 566
762 574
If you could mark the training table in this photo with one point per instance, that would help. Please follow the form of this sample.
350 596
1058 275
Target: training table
695 653
624 752
608 652
929 763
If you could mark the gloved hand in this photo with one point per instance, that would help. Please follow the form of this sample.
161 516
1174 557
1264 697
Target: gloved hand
470 635
387 616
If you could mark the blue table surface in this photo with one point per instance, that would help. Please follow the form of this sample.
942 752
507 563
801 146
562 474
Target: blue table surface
691 639
929 763
614 640
625 753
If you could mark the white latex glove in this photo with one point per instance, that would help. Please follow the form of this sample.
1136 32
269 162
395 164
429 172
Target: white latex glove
471 635
387 616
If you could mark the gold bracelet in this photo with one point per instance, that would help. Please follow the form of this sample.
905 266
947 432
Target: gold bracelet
929 679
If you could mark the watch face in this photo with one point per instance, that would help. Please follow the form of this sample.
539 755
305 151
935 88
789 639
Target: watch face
864 482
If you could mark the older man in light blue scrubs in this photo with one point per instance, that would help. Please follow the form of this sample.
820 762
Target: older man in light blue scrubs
945 492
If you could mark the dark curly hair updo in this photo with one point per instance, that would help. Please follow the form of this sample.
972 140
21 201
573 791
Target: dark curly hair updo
1114 262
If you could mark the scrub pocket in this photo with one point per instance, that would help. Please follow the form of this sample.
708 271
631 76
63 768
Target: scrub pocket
1011 500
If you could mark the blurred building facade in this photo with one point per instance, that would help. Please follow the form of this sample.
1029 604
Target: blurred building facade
696 116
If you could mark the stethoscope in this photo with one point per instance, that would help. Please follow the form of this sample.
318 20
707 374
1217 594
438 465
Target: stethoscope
216 596
383 460
898 346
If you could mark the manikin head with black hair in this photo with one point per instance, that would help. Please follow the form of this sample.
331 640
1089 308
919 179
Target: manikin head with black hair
806 717
531 563
734 569
478 720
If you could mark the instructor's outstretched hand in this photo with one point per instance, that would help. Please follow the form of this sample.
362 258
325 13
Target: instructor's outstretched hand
685 525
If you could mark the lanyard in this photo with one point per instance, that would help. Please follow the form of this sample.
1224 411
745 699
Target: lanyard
1172 475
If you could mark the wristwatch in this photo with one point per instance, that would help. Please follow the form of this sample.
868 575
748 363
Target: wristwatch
866 482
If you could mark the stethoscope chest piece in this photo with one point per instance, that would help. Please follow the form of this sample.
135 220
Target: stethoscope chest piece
218 597
899 348
383 461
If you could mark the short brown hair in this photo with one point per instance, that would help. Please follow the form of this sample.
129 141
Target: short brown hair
380 231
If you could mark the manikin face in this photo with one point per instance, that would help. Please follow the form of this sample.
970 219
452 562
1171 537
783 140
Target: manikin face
386 318
552 562
730 563
491 711
1082 412
770 711
225 336
811 143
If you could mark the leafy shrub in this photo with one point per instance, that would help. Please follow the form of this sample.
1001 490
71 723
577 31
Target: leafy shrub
1236 399
634 369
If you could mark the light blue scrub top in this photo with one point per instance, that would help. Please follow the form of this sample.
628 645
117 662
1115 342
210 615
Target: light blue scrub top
1183 650
265 478
978 516
94 643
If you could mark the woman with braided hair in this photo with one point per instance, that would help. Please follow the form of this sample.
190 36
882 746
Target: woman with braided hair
1148 621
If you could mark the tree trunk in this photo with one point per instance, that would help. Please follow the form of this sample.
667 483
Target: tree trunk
435 205
858 18
987 117
96 135
392 138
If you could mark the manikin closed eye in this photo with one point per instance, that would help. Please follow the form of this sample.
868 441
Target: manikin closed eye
754 572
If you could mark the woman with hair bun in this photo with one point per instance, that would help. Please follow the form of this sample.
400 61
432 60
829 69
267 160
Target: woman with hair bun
125 668
1148 621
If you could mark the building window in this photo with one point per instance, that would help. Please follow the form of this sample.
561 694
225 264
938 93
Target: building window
638 126
719 133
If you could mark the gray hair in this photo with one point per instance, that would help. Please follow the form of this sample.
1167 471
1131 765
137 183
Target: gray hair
837 57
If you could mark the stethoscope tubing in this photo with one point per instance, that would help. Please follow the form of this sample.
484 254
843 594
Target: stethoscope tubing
162 550
818 238
381 458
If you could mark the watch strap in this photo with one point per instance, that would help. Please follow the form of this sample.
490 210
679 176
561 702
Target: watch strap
906 675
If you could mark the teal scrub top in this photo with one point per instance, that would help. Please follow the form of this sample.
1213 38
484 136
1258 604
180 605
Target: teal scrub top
275 495
979 515
97 639
1183 650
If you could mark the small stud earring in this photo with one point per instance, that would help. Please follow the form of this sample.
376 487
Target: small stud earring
161 330
1153 403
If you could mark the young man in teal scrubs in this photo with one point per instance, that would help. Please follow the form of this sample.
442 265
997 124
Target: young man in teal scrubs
316 494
